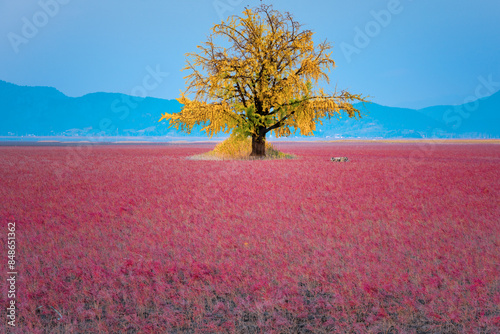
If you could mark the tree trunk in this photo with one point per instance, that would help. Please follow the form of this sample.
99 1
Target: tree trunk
258 146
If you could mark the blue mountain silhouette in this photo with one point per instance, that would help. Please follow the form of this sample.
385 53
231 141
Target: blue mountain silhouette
45 111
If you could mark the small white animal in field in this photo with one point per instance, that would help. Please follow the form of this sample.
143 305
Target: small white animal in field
339 159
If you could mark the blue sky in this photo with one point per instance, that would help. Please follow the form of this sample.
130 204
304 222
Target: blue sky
407 53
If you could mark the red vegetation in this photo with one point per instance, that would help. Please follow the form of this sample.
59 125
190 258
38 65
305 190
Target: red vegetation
402 238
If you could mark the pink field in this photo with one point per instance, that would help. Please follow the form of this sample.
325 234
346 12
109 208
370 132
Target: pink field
403 238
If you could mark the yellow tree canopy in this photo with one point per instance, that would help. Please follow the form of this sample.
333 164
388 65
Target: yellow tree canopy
261 80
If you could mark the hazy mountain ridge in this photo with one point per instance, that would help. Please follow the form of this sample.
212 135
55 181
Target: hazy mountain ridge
45 111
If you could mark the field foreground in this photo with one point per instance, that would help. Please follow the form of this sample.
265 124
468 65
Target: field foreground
404 238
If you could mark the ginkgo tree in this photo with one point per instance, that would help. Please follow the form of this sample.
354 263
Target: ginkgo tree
262 78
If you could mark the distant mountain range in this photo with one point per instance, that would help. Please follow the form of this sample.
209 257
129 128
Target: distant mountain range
44 111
